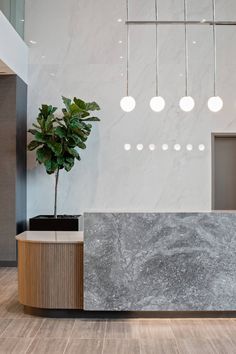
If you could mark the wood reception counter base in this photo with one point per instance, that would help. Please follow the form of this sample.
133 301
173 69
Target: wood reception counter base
50 269
133 262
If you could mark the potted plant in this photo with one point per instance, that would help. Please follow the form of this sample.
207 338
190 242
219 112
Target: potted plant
57 141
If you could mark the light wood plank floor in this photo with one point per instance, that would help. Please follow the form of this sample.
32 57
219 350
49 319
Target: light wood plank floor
21 333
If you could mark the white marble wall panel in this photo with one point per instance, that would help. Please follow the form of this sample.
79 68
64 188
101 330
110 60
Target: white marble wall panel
77 53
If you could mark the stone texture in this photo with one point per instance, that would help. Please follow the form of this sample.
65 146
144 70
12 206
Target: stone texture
160 261
80 55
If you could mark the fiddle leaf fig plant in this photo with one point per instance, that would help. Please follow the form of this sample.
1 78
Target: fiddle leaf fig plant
58 140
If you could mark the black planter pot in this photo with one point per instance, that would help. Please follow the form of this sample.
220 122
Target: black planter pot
50 223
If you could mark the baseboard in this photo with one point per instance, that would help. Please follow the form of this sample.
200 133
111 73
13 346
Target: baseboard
8 263
53 313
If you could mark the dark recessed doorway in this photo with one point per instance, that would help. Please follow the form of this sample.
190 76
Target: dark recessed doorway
224 171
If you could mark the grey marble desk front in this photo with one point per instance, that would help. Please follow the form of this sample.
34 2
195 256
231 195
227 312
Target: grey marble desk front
160 261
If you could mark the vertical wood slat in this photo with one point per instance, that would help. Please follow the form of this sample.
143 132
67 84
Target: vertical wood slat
50 275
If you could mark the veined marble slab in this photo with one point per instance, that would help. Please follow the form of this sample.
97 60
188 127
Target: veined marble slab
160 261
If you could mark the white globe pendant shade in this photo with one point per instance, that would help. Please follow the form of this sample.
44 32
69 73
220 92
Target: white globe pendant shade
127 104
215 104
187 103
157 104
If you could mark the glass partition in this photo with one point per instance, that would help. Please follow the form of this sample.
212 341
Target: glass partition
14 10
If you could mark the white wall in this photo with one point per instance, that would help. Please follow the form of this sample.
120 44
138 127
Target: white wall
77 53
13 50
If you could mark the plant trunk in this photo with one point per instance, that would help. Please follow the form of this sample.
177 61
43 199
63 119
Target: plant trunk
56 187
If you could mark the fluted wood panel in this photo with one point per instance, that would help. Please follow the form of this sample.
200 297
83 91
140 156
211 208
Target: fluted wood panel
51 275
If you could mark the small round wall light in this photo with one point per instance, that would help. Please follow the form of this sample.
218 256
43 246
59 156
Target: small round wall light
152 147
165 147
127 147
201 147
177 147
189 147
140 147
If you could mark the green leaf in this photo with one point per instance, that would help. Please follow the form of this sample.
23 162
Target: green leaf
41 122
75 123
44 110
43 154
53 110
33 145
72 152
67 103
51 166
91 119
60 131
49 122
85 114
92 106
81 145
68 164
55 147
40 137
74 108
80 103
60 160
36 126
33 131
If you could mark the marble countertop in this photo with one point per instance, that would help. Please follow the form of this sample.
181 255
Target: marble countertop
51 236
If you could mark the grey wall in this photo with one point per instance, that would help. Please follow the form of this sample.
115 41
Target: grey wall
77 53
13 102
224 173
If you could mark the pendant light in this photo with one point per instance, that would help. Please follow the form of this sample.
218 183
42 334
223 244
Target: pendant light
127 103
187 102
157 103
215 103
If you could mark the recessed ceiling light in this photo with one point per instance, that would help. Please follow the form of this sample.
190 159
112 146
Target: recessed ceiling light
120 42
22 20
33 42
121 57
203 20
122 74
194 42
119 20
43 56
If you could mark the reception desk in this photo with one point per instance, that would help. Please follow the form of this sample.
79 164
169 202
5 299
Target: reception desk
160 261
50 269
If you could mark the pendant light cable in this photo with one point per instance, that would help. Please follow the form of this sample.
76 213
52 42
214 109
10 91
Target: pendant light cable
214 41
215 103
157 49
186 48
128 45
